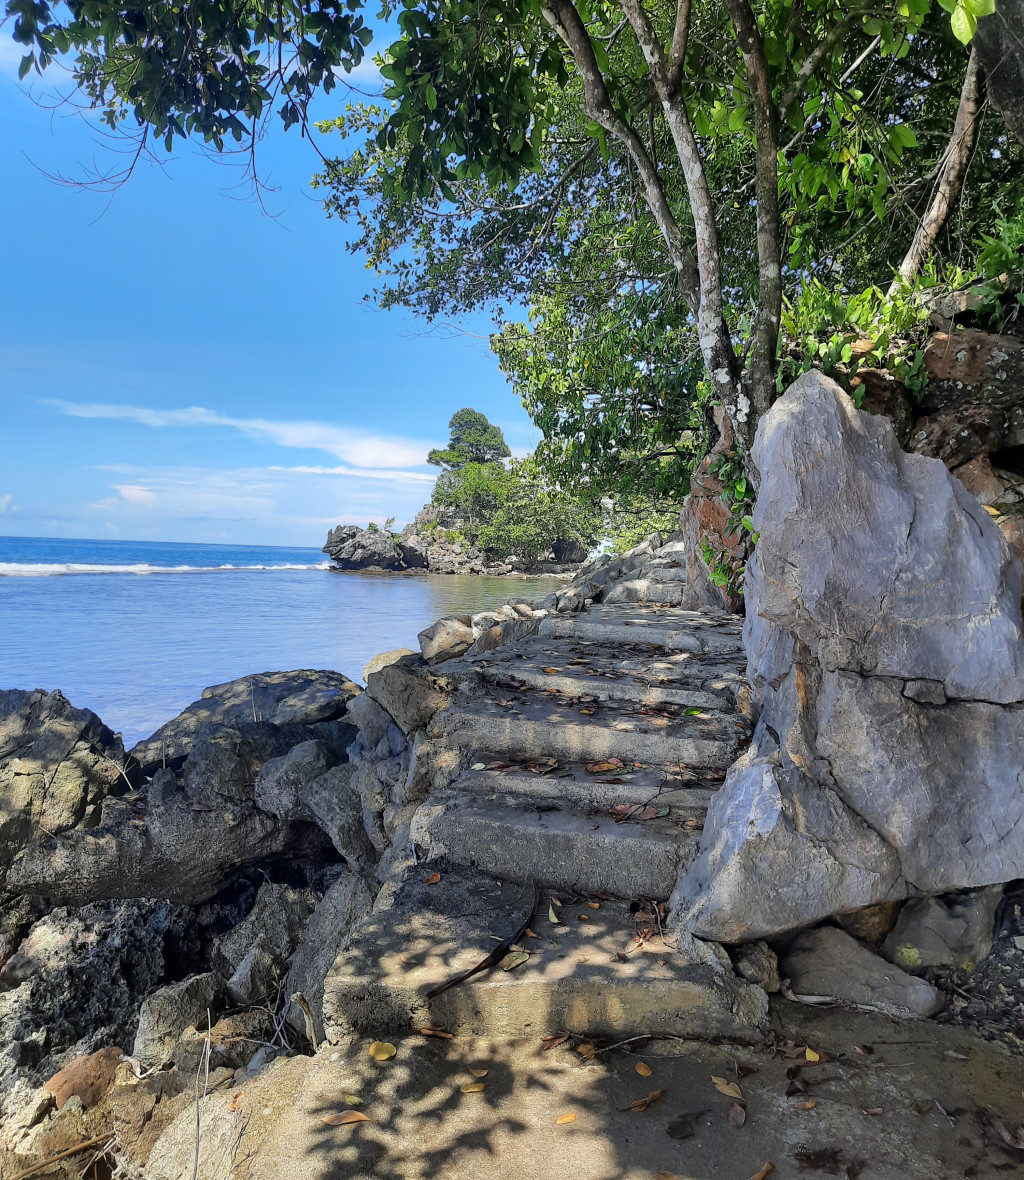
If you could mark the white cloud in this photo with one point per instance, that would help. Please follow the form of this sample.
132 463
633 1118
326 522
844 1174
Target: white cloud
7 503
362 473
351 446
135 495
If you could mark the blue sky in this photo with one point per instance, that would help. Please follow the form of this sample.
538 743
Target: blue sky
176 365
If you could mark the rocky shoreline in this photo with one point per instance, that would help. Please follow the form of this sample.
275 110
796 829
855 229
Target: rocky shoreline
716 818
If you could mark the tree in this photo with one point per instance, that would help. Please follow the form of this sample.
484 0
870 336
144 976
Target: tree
716 155
472 440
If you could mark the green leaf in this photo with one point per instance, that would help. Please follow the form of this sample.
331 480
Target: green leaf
27 63
964 23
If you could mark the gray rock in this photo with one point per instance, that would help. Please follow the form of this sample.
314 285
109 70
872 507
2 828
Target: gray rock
353 548
384 658
409 692
873 558
326 934
935 932
447 638
999 40
167 1012
828 962
303 697
371 719
254 978
274 923
57 764
756 962
884 645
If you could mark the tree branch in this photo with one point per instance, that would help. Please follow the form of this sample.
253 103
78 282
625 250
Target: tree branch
567 23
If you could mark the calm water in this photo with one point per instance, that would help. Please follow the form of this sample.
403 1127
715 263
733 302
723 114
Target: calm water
135 631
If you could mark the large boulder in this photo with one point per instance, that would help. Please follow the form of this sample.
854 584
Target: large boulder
884 644
353 548
303 697
57 764
168 1011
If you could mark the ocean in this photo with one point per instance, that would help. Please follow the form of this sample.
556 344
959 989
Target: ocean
136 630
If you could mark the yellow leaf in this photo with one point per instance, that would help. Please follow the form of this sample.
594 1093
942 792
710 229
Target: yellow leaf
764 1172
586 1050
643 1069
724 1086
352 1100
565 1118
811 1055
382 1050
473 1087
341 1120
810 1104
479 1073
552 916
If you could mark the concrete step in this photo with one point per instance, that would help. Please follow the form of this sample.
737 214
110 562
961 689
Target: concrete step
586 669
687 799
611 975
555 843
532 726
668 627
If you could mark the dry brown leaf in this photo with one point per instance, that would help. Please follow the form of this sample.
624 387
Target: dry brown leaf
557 902
586 1049
643 1069
602 767
594 905
233 1105
764 1172
554 1039
436 1032
724 1086
807 1104
478 1073
382 1050
473 1087
341 1120
433 880
874 1110
643 1103
582 918
566 1118
530 933
551 671
737 1115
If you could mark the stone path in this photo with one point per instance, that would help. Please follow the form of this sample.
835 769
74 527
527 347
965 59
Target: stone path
586 756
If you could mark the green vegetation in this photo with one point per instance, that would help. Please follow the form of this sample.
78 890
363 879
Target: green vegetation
473 440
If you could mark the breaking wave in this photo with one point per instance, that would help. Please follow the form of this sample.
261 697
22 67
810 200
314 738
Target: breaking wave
17 569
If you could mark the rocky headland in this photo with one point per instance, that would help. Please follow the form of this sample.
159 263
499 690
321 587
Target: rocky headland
652 821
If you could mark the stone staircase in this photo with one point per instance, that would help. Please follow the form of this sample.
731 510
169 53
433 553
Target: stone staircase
581 761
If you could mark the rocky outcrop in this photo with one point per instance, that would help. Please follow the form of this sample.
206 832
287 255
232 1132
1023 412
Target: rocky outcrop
884 644
353 548
57 765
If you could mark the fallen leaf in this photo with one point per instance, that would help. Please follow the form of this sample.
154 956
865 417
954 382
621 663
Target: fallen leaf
551 671
587 711
622 956
594 905
436 1032
808 1104
473 1087
554 1039
642 1104
643 1069
724 1086
510 962
923 1108
433 880
565 1118
602 767
951 1053
479 766
685 1126
665 1176
582 918
233 1105
811 1055
737 1115
552 916
556 901
382 1050
767 1170
586 1049
874 1110
497 766
341 1120
530 933
352 1100
479 1073
692 713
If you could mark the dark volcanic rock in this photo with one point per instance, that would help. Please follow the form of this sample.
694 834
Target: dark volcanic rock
353 548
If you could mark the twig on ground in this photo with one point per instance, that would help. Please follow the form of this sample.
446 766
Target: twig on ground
204 1071
61 1155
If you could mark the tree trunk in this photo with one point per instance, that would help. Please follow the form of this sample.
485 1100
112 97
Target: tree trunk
952 171
999 44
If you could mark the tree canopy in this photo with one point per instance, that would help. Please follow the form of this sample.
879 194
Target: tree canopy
472 439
